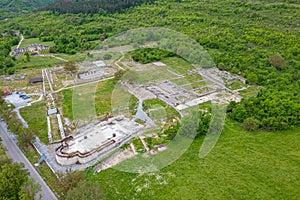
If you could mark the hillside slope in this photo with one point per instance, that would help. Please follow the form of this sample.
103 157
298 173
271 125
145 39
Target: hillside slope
10 8
93 6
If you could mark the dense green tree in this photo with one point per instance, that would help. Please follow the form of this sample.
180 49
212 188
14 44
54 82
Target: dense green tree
3 156
29 190
14 181
93 6
189 124
11 8
25 138
148 55
12 178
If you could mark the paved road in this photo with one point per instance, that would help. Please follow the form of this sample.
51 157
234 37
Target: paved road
17 156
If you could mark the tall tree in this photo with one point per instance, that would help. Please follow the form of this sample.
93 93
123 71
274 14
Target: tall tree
26 138
29 190
12 178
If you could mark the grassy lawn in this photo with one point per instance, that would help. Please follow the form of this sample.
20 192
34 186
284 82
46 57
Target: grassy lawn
30 41
194 77
243 165
148 75
108 57
180 81
102 98
35 61
67 103
178 65
35 116
76 57
157 104
206 106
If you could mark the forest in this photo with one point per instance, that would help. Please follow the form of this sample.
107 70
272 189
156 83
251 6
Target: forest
258 40
13 8
93 6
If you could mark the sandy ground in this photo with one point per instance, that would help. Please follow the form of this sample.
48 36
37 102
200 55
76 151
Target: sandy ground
115 159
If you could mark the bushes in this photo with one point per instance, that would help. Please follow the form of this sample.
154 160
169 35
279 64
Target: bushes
275 110
251 124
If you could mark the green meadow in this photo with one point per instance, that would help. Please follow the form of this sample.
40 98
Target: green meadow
242 165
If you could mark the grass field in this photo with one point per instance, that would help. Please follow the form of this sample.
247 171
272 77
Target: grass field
35 61
67 103
158 105
35 116
30 41
177 65
102 97
75 58
243 165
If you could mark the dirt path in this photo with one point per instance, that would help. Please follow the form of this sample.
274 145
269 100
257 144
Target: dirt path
20 42
116 62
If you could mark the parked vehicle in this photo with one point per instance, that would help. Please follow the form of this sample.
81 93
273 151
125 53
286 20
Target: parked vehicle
25 97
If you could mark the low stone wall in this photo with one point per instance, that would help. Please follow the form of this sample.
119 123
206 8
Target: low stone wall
86 145
77 157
